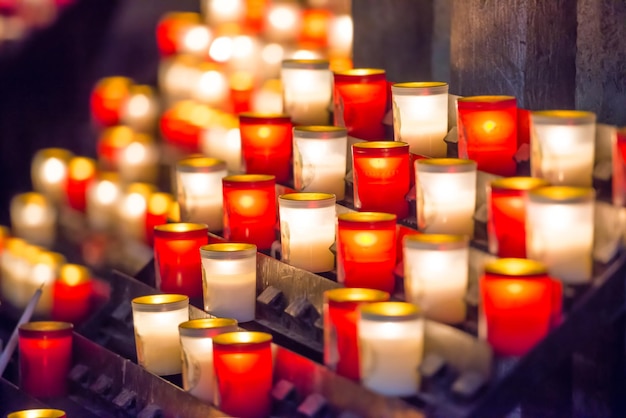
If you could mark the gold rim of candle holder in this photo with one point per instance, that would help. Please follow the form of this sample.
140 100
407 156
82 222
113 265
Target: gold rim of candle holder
486 102
419 88
518 183
242 338
200 165
364 220
445 165
181 230
207 327
306 200
306 64
228 251
562 117
378 149
355 294
46 329
436 241
37 413
360 75
31 198
144 189
319 132
160 302
515 267
390 311
74 274
141 89
249 180
58 153
561 194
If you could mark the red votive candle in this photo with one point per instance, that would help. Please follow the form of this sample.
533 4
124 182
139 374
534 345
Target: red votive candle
241 88
520 304
360 102
108 98
171 29
250 209
111 144
314 29
506 214
244 368
45 356
488 132
182 124
366 250
81 172
619 168
71 294
177 257
381 177
341 351
159 207
266 144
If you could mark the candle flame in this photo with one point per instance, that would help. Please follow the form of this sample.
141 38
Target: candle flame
272 53
197 38
283 17
53 170
34 214
138 105
135 153
489 126
221 49
106 192
365 239
135 204
515 288
264 132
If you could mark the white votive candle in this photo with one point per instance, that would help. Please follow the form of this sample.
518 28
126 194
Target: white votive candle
223 141
140 109
307 90
49 172
138 161
33 218
132 210
43 272
102 198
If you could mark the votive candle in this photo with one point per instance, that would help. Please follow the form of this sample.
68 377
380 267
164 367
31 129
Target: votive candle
159 207
33 218
108 98
307 90
132 209
72 294
81 172
619 167
140 110
103 195
49 173
111 143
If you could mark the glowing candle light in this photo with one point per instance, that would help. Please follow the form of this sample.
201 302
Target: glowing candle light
183 123
488 132
519 304
108 98
307 90
177 78
341 352
420 116
619 167
72 294
33 218
446 195
132 209
340 36
44 271
283 21
222 140
138 161
111 144
81 172
315 28
17 288
268 98
219 12
156 319
159 207
49 172
102 197
563 147
241 88
559 231
38 413
182 32
506 208
140 110
212 86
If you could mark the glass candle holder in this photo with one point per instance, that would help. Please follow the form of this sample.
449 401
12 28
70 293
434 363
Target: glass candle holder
211 86
319 159
45 356
12 258
44 271
563 147
159 207
111 144
182 124
81 172
156 319
217 12
176 259
307 90
488 132
196 341
132 208
244 370
49 173
107 99
381 177
17 285
200 196
559 231
222 140
38 413
619 167
360 102
33 218
341 352
446 195
436 269
391 345
71 294
366 250
138 161
420 116
519 304
506 214
102 197
172 29
266 144
229 278
250 212
307 230
140 110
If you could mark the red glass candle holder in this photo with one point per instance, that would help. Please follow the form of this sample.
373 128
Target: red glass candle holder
488 132
38 413
244 370
314 29
71 294
177 258
341 351
506 214
619 168
111 144
108 98
366 250
381 177
360 102
81 172
159 208
183 123
45 356
241 89
170 30
250 212
520 304
266 144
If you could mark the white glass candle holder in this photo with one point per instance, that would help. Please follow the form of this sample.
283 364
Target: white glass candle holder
268 98
222 140
44 271
307 230
211 86
559 231
102 198
49 172
33 218
391 345
132 211
140 110
11 261
196 340
156 319
563 147
138 161
436 275
283 22
307 91
319 159
420 116
446 195
16 282
217 12
178 77
199 190
229 280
